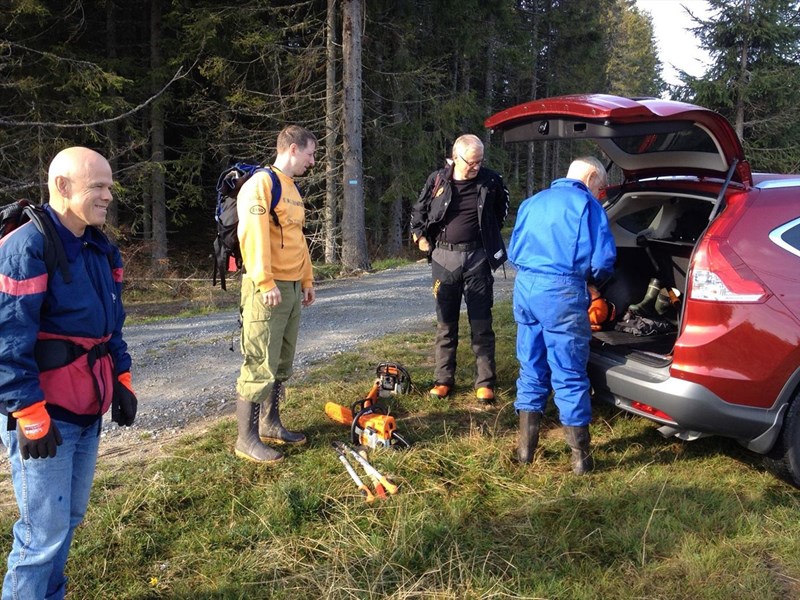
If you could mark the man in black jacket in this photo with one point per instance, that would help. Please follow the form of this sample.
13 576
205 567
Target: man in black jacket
457 218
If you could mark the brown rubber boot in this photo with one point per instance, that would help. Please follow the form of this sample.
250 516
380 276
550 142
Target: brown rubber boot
270 428
529 423
248 445
578 439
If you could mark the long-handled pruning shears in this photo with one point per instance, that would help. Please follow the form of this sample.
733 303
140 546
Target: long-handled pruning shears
368 497
379 479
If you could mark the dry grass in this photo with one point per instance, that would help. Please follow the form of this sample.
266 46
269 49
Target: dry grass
658 519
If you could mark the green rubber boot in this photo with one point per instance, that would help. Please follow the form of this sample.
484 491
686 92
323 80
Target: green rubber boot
647 306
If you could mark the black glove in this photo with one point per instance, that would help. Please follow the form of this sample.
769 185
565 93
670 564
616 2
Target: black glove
38 436
124 402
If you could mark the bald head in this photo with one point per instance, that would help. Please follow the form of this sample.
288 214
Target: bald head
590 171
79 181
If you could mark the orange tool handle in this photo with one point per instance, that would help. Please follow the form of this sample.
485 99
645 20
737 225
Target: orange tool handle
372 396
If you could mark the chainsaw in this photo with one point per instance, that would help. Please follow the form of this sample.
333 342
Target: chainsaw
370 423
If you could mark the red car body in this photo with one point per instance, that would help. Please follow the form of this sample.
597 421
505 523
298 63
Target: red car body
732 366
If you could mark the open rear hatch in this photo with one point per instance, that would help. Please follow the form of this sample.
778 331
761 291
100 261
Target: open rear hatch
676 160
645 138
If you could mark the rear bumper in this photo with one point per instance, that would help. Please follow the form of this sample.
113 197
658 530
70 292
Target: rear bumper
694 410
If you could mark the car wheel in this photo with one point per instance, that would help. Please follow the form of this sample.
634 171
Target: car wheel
784 458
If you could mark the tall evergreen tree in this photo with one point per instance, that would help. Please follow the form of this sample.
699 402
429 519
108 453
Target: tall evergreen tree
754 76
633 67
54 94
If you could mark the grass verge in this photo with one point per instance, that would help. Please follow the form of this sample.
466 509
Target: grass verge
658 519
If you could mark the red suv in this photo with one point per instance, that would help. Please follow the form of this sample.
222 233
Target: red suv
709 253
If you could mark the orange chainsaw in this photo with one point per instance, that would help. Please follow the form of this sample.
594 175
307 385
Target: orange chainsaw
370 423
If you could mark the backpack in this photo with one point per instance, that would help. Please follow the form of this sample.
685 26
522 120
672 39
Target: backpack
227 253
20 212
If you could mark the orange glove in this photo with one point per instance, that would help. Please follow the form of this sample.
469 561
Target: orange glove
124 402
601 311
38 437
125 379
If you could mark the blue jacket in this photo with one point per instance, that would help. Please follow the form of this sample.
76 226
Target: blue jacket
563 230
35 306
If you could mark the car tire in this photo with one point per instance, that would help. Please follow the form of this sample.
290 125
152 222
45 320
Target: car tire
784 458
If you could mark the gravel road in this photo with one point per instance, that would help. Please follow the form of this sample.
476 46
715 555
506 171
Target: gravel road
184 370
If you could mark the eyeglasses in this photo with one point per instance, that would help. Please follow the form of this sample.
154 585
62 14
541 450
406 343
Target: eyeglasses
471 163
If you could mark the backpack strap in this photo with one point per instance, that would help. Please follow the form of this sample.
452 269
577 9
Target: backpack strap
54 254
277 190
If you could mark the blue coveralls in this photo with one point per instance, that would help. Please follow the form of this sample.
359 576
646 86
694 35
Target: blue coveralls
560 240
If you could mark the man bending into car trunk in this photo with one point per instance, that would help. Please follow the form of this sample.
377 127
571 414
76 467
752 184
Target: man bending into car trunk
561 241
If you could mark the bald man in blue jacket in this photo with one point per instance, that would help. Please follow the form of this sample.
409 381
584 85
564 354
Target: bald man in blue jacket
560 242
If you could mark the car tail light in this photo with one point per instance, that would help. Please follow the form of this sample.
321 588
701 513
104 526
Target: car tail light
718 273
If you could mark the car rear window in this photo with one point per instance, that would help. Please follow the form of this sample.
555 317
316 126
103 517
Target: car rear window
692 139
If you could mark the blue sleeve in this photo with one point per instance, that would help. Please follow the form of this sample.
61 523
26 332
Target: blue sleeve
23 286
604 250
117 344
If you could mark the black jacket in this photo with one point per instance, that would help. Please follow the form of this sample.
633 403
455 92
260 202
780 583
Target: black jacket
428 213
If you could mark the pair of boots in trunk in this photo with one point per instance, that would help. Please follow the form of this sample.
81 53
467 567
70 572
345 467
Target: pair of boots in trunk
577 438
260 424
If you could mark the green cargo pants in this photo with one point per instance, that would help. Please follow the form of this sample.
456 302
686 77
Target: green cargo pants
269 339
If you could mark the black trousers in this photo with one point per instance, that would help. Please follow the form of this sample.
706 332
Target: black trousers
468 275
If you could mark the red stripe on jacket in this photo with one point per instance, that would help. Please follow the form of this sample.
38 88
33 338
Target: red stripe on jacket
23 287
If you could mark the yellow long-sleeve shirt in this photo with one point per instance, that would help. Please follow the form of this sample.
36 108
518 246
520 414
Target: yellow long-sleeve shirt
270 252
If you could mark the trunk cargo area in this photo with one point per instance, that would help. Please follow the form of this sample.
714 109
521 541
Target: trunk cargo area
656 234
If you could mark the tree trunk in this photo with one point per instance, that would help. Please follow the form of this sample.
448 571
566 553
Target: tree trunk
331 139
159 214
743 76
112 129
394 239
489 81
395 222
354 240
530 178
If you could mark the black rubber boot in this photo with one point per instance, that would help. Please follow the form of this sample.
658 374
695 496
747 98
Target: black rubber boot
578 439
248 446
270 428
647 306
529 423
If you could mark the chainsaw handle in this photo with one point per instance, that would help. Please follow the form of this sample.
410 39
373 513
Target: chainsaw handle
369 409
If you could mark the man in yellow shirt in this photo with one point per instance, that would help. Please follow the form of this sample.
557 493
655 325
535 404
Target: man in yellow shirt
277 281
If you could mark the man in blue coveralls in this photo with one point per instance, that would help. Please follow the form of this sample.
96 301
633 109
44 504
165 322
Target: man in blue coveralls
561 241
